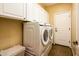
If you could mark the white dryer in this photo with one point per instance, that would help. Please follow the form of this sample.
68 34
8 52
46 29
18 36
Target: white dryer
35 38
50 31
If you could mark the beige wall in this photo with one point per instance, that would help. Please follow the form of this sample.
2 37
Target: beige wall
10 33
63 7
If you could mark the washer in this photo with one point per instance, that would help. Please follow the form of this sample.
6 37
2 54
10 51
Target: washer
35 38
50 34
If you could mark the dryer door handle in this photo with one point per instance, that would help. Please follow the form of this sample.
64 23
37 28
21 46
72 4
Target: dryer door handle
56 30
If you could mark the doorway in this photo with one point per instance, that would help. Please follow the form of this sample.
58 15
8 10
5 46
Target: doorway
62 26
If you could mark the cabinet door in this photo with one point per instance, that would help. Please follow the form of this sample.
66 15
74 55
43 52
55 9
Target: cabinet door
31 12
38 13
30 16
14 9
1 8
43 15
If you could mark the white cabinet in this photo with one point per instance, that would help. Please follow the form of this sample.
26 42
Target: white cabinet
36 13
46 18
31 14
43 16
13 10
1 8
23 11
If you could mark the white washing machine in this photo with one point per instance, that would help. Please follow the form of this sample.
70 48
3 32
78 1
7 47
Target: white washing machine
51 36
35 38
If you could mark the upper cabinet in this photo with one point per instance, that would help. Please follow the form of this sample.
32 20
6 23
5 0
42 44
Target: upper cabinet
31 12
13 10
24 12
1 8
43 15
36 13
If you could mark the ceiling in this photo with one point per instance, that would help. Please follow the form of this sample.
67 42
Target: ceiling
47 4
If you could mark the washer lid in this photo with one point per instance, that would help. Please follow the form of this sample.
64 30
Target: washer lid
45 36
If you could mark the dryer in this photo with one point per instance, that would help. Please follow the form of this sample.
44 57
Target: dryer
35 38
50 31
51 34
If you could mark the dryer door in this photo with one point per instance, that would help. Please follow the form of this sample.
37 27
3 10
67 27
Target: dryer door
51 33
45 36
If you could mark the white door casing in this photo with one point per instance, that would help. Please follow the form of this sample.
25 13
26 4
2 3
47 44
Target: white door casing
62 25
